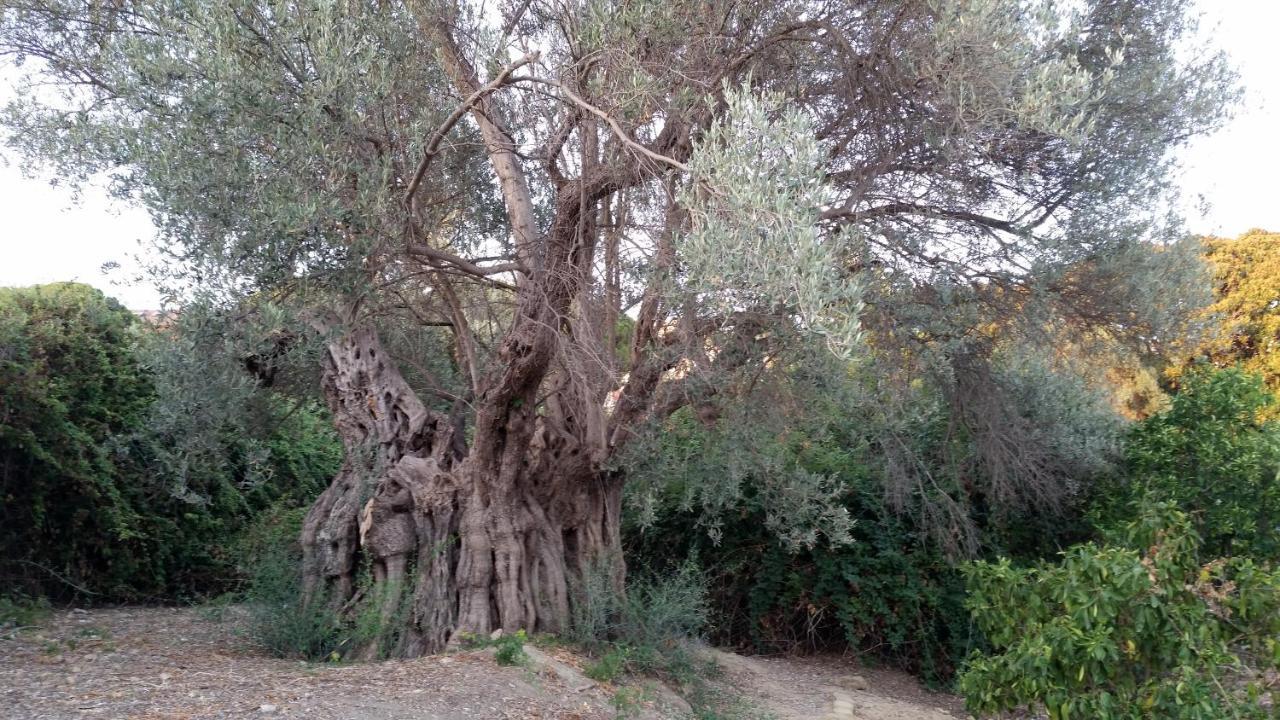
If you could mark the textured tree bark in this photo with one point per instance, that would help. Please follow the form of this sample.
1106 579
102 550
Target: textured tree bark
435 543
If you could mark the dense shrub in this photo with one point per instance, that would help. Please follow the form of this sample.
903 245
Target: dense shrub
1215 452
1243 323
1142 627
832 503
114 485
885 588
69 383
655 612
889 595
655 629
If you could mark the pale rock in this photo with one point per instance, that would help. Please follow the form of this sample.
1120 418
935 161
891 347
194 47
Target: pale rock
857 682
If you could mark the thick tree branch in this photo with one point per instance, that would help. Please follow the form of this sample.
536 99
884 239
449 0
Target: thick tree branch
845 213
436 256
499 143
433 145
618 130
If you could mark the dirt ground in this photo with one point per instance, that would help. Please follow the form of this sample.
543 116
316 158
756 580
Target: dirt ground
178 664
802 688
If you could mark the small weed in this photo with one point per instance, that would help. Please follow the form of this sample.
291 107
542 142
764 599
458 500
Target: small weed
92 632
610 666
18 612
511 649
627 702
216 609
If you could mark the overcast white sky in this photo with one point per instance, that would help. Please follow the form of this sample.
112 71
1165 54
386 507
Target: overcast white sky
46 236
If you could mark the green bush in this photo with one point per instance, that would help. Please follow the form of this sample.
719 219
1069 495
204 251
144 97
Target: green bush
888 591
652 628
1142 628
609 666
510 649
279 619
69 383
653 613
286 623
124 475
655 628
17 612
1215 452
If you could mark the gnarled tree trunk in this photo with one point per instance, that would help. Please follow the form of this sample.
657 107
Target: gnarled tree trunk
441 540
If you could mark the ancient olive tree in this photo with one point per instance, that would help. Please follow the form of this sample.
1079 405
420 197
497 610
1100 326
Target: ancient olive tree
533 180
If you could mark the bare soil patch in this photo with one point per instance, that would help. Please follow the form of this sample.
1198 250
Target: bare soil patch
177 664
802 688
153 663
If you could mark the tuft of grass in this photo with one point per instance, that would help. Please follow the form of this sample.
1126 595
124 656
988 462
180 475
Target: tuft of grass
93 632
627 702
654 629
18 612
216 609
609 666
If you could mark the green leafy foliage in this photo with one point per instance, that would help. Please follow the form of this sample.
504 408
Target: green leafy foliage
831 514
280 621
1142 627
1215 452
510 649
644 629
753 237
18 612
655 629
1244 319
886 589
120 482
286 622
69 383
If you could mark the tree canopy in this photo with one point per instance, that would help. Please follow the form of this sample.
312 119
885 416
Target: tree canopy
1243 322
